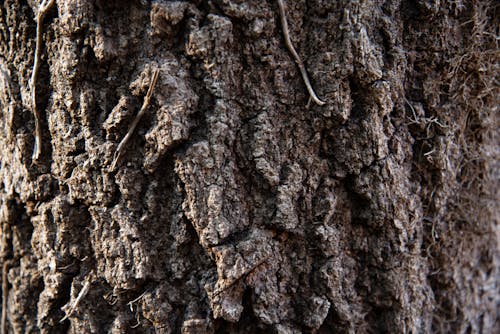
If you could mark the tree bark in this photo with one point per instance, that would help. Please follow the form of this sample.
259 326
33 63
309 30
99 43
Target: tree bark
237 206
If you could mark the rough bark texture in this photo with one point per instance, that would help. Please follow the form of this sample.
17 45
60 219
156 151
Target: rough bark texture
236 207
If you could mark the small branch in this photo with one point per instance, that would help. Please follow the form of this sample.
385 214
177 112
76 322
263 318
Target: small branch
145 104
42 10
82 294
298 60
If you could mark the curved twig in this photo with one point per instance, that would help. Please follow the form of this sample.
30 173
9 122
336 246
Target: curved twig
298 60
72 307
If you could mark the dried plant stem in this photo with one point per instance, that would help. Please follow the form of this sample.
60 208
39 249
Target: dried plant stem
298 60
42 10
145 104
132 302
82 294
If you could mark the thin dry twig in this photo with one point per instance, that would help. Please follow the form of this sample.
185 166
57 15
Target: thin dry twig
145 104
132 302
82 294
131 305
298 60
42 10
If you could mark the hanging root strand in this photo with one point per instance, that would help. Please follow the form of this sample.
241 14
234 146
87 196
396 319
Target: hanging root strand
121 147
298 60
42 10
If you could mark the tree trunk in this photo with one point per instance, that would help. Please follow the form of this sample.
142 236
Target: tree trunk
239 205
